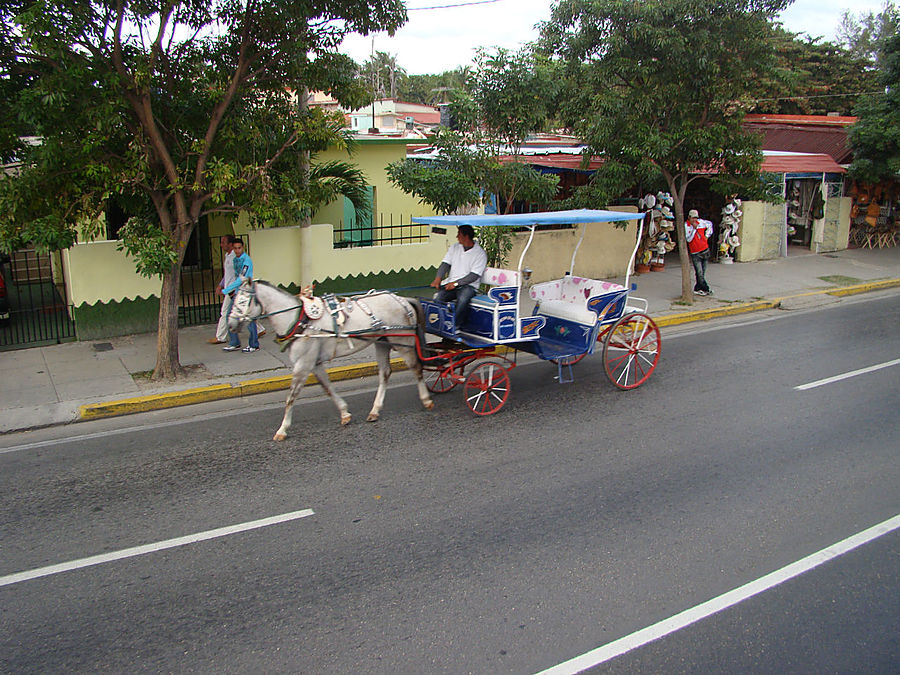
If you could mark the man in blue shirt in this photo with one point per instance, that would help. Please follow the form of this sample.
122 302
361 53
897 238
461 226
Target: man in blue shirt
243 267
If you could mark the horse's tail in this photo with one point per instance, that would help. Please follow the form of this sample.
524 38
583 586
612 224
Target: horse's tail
420 323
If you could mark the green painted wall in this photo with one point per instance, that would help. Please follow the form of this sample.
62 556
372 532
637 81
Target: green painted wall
110 319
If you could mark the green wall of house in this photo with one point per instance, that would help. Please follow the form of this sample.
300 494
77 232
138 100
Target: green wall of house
110 319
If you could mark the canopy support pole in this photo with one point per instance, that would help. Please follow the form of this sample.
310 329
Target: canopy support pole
634 252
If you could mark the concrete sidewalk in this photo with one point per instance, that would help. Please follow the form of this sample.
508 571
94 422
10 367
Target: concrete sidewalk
77 381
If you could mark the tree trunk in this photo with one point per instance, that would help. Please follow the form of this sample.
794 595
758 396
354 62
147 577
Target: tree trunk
168 365
687 286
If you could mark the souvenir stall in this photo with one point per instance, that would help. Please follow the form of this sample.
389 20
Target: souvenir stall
659 232
728 230
874 215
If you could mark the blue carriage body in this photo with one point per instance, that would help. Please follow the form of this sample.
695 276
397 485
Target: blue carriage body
563 317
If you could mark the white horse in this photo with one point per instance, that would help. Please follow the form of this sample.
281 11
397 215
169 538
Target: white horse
380 318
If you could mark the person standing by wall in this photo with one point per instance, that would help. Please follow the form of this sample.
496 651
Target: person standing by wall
698 233
243 268
226 241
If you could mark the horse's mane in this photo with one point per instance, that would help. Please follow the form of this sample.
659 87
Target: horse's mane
274 287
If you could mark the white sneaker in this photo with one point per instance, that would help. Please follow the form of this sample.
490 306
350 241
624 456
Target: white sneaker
231 348
248 350
700 293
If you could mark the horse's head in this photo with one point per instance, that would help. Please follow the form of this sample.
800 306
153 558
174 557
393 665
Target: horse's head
245 307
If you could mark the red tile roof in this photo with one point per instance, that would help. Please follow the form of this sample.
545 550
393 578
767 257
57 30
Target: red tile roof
804 133
800 163
556 161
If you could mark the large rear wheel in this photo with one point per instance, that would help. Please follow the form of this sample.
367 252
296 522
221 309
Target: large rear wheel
631 350
487 387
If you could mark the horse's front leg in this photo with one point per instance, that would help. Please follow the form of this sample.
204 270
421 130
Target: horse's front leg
383 359
321 373
298 379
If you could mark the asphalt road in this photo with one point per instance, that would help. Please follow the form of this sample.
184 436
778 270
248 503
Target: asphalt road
441 543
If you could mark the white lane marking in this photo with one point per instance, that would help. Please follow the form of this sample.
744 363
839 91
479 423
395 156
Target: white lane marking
689 616
844 376
18 577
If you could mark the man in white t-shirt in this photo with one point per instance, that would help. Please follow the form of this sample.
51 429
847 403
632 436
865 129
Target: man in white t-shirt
462 266
226 241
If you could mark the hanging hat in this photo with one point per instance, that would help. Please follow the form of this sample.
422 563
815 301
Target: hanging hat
650 201
737 202
667 212
738 214
729 209
693 213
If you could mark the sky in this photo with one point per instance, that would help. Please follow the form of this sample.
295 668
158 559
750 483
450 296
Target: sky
442 38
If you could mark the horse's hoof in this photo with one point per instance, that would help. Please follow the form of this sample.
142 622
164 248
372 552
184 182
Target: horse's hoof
373 417
279 437
345 419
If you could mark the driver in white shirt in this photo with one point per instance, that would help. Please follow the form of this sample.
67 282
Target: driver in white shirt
460 272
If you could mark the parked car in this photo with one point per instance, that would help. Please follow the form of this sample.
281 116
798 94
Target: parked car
4 299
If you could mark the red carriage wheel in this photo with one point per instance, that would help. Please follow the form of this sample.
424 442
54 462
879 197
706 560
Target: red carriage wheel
487 387
631 350
440 380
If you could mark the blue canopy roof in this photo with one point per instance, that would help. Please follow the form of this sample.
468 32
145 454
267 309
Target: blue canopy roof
526 219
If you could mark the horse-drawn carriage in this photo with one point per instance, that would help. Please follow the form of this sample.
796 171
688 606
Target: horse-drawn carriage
562 320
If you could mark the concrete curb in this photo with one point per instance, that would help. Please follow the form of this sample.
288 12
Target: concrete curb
216 392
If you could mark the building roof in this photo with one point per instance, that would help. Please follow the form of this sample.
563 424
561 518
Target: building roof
818 134
799 162
557 160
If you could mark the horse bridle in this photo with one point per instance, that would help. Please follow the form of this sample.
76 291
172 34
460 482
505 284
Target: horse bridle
244 314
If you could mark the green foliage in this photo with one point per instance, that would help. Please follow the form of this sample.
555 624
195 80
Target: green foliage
382 75
184 107
812 78
866 35
661 87
150 247
433 89
515 94
497 242
180 109
510 98
628 64
875 138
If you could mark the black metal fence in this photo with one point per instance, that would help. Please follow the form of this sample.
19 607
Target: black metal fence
35 294
385 230
200 276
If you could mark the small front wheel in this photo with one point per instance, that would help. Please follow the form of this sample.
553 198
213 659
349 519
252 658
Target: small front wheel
487 387
631 351
440 380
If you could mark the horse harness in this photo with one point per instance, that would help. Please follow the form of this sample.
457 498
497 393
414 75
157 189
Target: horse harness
314 308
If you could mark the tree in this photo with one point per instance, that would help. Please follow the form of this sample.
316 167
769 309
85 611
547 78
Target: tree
511 98
383 75
875 138
867 35
813 77
178 109
660 88
434 89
